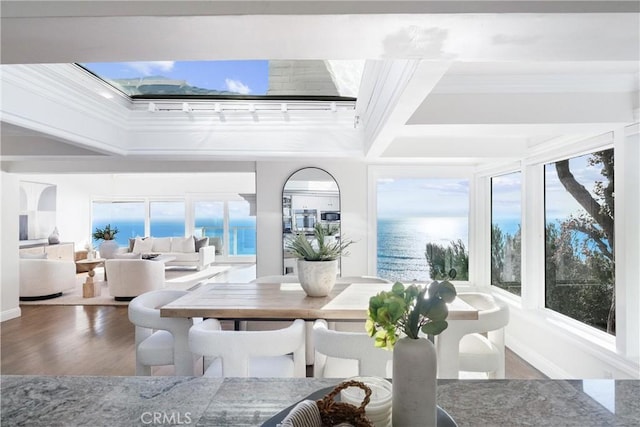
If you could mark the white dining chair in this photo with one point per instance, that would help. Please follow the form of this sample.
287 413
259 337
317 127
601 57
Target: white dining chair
266 325
475 345
348 354
160 340
275 353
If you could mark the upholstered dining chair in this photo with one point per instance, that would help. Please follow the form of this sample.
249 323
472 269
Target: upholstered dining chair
479 344
160 340
266 325
348 354
275 353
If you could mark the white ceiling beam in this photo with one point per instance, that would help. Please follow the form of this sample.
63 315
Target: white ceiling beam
461 36
50 8
506 130
398 98
522 108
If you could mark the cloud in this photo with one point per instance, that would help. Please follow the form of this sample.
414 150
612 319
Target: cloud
148 68
237 86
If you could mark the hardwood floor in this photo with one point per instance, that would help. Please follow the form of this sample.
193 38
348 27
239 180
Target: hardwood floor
98 340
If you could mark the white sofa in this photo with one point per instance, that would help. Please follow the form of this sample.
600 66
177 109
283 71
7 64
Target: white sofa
182 248
128 278
45 278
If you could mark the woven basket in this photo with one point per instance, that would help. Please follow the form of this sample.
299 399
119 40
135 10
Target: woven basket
333 413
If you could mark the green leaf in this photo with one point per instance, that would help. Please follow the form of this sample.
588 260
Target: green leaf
433 288
397 288
435 327
438 311
447 291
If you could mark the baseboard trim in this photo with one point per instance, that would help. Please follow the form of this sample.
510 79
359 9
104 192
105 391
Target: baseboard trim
41 297
10 314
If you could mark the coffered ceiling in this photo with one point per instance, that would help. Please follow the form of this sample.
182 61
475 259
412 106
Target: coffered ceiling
443 81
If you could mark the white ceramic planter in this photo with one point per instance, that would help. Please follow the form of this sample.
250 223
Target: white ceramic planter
317 277
108 248
414 383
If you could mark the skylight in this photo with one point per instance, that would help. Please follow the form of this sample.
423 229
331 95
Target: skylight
278 79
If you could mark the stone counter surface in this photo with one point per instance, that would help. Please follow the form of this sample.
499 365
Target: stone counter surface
191 401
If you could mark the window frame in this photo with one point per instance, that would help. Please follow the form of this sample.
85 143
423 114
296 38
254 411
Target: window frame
490 179
440 171
532 299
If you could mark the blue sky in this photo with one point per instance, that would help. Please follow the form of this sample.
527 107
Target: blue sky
423 197
243 77
506 197
559 204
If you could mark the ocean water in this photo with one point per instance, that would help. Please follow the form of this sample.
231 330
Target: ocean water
402 243
242 232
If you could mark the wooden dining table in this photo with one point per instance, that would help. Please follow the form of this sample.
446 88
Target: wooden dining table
287 301
347 302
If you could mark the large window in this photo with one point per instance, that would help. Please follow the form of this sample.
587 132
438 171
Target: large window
167 219
506 230
579 230
242 229
209 222
230 226
127 216
423 228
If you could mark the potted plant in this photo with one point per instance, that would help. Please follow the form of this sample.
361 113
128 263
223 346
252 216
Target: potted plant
318 259
107 234
396 319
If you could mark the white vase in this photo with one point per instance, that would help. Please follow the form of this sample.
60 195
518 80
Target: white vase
54 237
414 383
317 277
108 248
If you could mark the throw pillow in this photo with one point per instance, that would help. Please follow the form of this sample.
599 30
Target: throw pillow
183 244
24 255
200 242
127 256
161 244
142 246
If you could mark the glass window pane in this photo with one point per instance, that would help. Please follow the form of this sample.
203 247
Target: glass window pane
128 217
506 210
579 220
232 78
167 219
242 229
209 222
423 227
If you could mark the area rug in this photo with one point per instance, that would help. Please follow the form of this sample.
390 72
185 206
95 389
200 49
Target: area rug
176 278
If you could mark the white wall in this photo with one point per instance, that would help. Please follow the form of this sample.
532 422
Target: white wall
9 208
352 181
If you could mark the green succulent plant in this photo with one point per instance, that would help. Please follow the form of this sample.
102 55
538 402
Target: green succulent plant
106 233
409 310
321 249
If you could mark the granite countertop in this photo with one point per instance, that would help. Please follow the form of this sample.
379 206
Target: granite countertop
197 401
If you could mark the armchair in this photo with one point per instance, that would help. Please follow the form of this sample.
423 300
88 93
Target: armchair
45 278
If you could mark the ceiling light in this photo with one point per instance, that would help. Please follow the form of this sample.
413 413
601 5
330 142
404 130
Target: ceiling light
217 108
186 107
152 107
283 107
252 108
334 107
